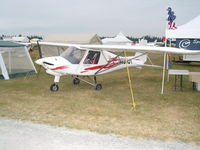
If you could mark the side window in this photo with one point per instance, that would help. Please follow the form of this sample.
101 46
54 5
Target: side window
92 57
73 55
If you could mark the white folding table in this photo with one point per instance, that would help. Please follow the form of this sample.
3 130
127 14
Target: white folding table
178 75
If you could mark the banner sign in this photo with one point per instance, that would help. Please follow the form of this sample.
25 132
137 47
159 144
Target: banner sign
190 44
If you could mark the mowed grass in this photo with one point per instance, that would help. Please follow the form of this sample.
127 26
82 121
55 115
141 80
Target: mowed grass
173 116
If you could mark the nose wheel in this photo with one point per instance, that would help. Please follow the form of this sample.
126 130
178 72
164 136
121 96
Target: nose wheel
54 87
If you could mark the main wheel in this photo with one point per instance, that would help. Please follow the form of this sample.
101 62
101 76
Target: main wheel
76 81
54 87
98 87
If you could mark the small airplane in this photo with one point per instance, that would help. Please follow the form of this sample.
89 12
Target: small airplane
92 60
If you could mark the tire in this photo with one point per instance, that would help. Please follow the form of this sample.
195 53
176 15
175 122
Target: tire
54 87
98 87
76 81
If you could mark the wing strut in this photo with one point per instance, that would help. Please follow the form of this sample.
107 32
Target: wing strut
130 85
100 70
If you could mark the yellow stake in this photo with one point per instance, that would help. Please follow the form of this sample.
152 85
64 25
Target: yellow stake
130 85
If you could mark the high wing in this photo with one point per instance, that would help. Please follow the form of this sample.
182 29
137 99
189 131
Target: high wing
148 49
120 48
56 44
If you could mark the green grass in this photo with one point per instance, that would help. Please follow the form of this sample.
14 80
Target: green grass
171 116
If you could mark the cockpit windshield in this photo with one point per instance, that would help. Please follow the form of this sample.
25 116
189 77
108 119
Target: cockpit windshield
73 55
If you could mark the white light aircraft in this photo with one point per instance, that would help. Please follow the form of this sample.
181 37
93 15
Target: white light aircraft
92 60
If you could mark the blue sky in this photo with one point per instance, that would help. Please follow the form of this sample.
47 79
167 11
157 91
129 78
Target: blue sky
104 17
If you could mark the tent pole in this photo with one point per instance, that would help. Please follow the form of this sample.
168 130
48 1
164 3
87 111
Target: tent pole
163 76
27 53
9 58
164 67
3 68
39 49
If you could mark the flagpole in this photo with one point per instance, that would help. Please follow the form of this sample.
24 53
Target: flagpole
164 64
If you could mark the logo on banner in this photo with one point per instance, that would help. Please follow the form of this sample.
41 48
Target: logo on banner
184 43
196 42
191 44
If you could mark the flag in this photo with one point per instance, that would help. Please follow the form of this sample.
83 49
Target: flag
171 18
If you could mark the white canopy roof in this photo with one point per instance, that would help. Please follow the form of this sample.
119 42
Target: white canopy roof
119 39
16 39
74 38
48 51
188 30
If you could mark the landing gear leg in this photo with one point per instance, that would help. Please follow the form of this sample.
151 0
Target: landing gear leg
54 87
92 82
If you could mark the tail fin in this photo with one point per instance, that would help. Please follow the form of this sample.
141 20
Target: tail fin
142 57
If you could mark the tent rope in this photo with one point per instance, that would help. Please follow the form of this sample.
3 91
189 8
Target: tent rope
130 85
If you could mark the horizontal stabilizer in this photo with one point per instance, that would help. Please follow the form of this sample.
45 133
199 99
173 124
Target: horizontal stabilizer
141 56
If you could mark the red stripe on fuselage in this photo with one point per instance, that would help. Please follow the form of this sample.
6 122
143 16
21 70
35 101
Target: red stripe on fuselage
101 66
137 59
60 67
113 59
83 71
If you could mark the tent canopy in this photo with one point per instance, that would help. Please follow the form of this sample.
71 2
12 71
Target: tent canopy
67 38
14 60
10 44
119 39
74 38
16 39
188 30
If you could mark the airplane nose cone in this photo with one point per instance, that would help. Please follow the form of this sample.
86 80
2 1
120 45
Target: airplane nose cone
39 61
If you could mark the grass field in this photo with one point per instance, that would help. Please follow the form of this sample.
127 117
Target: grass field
172 116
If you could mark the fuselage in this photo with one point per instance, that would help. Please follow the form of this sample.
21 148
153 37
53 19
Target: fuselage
83 62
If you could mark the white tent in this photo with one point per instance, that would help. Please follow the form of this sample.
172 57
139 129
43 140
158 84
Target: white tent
67 38
15 60
120 39
74 38
16 39
20 39
189 30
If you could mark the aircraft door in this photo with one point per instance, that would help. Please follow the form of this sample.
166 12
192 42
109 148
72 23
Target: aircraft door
92 57
90 63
